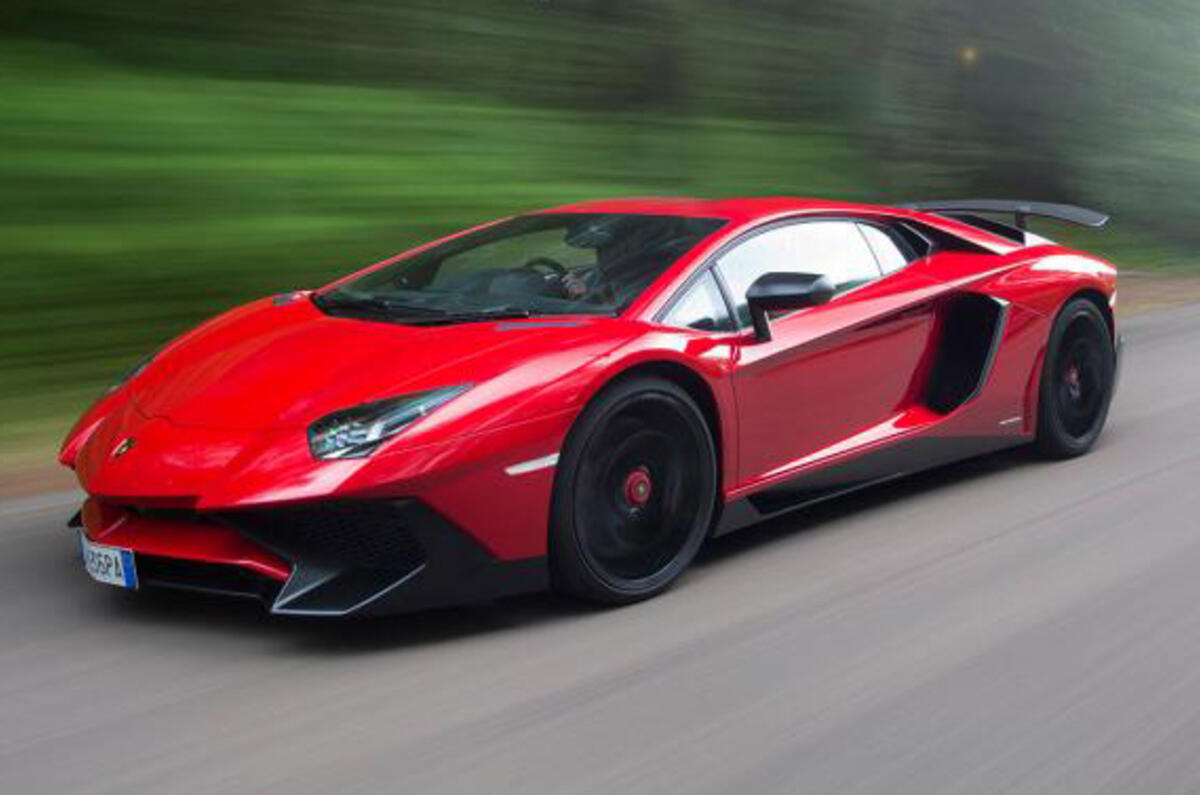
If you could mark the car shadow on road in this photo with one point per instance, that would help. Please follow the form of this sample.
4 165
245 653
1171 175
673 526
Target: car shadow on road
338 637
823 514
341 635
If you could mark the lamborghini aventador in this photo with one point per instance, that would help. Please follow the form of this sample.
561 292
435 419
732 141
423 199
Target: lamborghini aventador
579 398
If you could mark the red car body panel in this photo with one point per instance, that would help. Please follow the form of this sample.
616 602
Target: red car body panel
164 537
220 415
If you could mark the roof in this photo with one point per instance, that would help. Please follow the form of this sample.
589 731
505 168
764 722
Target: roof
735 209
752 209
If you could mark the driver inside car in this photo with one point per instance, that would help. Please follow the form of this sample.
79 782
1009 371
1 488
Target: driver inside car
625 252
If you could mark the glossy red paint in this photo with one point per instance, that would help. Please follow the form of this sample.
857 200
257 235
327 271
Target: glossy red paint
220 415
111 524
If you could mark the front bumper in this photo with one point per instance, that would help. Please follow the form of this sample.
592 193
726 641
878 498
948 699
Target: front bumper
327 558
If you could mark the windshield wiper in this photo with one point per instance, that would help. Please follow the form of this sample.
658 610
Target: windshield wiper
418 315
478 316
374 305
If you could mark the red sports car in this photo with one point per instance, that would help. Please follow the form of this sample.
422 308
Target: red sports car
579 397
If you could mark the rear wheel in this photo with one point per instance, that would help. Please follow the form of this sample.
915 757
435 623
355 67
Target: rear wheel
1077 381
634 493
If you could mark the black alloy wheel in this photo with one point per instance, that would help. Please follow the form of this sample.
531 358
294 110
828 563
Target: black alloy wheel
1077 381
635 493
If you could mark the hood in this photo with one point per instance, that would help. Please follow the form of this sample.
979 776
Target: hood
269 366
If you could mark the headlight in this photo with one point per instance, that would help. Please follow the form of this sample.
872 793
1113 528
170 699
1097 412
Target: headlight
356 432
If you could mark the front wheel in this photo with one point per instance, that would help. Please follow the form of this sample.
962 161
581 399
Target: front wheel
634 494
1077 381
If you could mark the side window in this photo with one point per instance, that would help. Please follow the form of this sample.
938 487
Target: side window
890 252
836 249
702 307
833 248
766 252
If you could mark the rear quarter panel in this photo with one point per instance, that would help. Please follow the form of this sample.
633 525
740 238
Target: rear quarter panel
1036 283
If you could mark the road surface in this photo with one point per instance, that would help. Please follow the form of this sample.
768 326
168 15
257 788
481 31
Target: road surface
1005 625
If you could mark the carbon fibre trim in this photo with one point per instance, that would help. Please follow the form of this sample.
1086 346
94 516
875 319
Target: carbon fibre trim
1020 209
221 579
381 557
860 472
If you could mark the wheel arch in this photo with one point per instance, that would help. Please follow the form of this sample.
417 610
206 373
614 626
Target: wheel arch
1101 301
1049 438
693 384
706 399
1096 297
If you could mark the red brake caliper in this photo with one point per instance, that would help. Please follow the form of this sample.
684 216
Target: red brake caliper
1072 379
638 487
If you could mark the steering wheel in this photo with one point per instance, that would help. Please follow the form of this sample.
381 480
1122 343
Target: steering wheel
546 265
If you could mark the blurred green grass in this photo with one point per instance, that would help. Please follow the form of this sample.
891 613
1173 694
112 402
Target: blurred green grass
135 204
137 201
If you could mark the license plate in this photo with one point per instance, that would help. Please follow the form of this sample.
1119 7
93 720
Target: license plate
111 565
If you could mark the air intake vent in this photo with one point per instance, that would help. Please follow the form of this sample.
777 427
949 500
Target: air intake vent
971 328
362 534
214 578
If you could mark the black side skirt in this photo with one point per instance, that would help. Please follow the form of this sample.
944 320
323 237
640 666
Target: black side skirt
870 469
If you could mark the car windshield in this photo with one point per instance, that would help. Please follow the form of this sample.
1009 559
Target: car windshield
552 264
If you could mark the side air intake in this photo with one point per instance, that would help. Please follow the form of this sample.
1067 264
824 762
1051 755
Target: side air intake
971 326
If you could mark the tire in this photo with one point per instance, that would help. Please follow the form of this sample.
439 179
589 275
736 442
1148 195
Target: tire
634 495
1077 381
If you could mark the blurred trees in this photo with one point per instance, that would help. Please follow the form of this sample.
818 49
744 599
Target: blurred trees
1075 100
1084 99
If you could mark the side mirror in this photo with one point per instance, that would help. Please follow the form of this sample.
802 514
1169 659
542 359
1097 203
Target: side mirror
777 292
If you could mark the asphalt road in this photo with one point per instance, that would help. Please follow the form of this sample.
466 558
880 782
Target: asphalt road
1005 625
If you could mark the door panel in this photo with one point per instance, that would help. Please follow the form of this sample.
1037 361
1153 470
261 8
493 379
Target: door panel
831 372
833 377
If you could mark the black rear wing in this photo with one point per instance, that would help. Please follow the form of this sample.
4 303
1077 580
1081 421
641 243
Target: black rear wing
965 210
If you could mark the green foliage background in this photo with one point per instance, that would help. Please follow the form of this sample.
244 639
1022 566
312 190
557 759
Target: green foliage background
160 161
